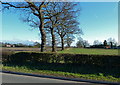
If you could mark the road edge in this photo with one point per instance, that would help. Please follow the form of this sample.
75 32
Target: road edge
62 78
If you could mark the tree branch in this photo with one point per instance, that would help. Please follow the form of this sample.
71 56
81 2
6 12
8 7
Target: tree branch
10 5
31 4
41 5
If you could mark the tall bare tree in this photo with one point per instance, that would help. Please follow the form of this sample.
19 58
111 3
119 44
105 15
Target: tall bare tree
51 23
67 23
36 16
60 21
58 17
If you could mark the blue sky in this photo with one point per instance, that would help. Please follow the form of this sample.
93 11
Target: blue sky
98 20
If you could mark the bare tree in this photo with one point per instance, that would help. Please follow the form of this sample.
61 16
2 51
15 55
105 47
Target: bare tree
67 23
82 43
57 17
79 43
69 39
52 12
86 43
62 21
36 15
97 42
112 42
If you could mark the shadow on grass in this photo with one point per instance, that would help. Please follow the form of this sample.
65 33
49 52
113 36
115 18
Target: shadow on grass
72 68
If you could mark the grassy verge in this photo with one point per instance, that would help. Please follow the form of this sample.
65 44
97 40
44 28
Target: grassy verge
99 76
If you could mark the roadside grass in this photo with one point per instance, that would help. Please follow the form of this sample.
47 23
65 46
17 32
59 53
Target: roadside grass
90 51
83 72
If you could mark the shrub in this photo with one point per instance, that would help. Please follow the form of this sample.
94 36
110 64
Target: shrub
5 55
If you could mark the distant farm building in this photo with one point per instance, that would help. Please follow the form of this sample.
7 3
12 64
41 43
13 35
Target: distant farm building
108 46
10 45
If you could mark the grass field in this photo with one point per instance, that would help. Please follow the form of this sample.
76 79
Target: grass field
69 50
90 51
25 49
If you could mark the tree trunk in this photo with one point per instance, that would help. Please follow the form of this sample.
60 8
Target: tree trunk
62 42
68 45
43 35
53 40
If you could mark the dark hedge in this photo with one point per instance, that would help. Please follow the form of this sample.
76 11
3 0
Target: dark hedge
22 58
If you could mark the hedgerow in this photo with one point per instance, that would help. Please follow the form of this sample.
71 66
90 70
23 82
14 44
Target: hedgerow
37 58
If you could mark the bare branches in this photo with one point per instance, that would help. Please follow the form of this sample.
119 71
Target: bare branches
31 4
37 10
34 12
10 5
40 6
58 17
66 20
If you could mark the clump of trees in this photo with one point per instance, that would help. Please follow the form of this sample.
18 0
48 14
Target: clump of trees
59 19
109 43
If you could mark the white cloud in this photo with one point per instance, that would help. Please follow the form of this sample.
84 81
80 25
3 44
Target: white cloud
35 41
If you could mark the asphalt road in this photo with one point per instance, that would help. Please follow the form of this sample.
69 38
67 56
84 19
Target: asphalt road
13 78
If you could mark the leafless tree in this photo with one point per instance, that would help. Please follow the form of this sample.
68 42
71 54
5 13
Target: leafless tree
112 42
69 38
67 23
55 17
36 15
52 12
62 21
97 42
82 43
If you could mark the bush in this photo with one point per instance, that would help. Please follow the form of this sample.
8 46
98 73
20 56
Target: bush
37 58
5 55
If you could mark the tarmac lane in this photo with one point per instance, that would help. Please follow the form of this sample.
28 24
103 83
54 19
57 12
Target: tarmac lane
14 78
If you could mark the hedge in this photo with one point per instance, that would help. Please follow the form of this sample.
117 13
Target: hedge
37 58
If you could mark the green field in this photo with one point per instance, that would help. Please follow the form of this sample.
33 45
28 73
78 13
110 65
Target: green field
68 50
90 51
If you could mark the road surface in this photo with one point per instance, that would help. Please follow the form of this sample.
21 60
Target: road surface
13 78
